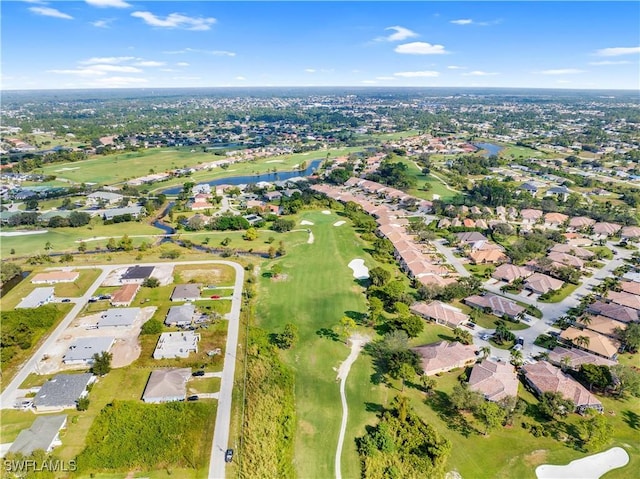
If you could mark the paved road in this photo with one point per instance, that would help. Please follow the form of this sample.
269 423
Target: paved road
223 415
451 259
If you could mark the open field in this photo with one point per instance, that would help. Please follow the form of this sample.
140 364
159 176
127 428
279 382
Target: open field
435 186
213 274
318 290
66 239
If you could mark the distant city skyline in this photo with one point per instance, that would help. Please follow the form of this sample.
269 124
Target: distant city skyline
167 44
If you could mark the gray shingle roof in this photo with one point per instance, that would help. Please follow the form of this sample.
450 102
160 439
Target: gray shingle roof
40 435
62 391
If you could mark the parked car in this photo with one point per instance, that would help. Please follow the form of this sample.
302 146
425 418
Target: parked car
193 398
520 341
215 296
66 300
198 373
228 456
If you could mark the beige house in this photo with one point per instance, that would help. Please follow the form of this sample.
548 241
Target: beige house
441 313
445 356
594 342
494 381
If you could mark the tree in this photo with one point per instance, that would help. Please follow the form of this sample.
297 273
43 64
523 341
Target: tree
582 341
428 384
272 252
111 245
630 337
251 234
379 276
516 357
628 380
406 372
82 247
288 337
410 323
48 246
553 404
151 282
83 404
101 363
490 415
281 250
282 225
375 309
596 375
463 336
151 326
31 204
486 351
125 243
594 430
276 270
347 325
464 399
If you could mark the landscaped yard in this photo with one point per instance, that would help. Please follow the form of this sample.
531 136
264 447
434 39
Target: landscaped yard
560 294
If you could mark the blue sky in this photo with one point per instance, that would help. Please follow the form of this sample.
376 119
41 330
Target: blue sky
126 43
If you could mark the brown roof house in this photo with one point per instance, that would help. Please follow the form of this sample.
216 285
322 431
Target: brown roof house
530 217
498 305
581 222
440 313
491 256
573 250
604 229
565 259
624 299
574 357
594 342
554 219
124 296
615 311
541 283
544 377
445 356
510 272
494 380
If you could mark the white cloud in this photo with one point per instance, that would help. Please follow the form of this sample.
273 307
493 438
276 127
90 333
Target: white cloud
109 60
119 81
149 63
176 20
563 81
218 53
182 64
421 74
98 70
240 78
187 78
561 71
479 73
399 34
50 12
610 62
108 3
369 82
385 78
102 23
310 70
617 51
420 48
462 21
456 67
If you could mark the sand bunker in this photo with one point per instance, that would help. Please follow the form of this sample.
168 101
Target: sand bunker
339 223
360 271
326 212
305 222
68 169
275 161
590 467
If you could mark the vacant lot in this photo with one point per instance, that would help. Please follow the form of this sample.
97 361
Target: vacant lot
210 274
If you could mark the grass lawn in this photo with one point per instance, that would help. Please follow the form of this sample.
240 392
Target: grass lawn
319 289
561 293
206 385
208 274
482 271
435 185
79 286
67 239
488 321
262 244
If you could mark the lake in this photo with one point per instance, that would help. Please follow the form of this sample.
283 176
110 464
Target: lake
490 148
249 179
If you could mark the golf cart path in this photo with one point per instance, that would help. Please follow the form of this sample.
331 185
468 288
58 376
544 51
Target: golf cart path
357 342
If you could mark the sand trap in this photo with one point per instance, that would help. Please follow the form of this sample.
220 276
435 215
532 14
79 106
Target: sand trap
590 467
275 161
295 166
360 271
68 169
311 238
339 223
22 233
305 222
326 212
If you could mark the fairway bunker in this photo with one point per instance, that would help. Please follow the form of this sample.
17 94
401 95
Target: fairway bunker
326 212
360 271
306 223
339 223
590 467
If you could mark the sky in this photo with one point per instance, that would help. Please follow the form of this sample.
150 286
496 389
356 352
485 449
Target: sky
139 44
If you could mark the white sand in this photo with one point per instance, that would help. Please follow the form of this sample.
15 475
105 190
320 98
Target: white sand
590 467
305 222
295 166
360 271
326 212
68 169
339 223
311 238
22 233
275 161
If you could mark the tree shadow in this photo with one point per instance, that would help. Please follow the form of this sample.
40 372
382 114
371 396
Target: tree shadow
267 274
358 317
273 338
632 419
446 337
373 407
364 283
441 404
328 333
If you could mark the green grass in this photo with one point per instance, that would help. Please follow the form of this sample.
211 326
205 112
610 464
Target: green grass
318 291
435 186
213 239
79 286
560 294
480 270
208 275
489 320
67 239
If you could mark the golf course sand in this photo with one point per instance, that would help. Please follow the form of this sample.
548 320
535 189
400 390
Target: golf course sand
339 223
326 212
360 271
590 467
305 223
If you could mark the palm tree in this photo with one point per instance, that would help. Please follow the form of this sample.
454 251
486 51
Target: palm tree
516 357
564 363
582 341
486 351
586 320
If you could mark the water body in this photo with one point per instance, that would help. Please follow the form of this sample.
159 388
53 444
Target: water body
13 282
249 179
490 148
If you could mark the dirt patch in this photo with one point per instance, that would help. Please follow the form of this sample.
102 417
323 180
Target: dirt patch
213 275
453 475
536 457
306 428
280 277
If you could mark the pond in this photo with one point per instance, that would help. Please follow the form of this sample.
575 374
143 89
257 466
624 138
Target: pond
490 148
248 179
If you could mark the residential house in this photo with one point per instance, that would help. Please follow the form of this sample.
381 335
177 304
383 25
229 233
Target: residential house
544 377
604 230
593 342
82 350
630 232
495 381
136 274
573 250
620 313
44 434
541 283
118 318
579 223
471 237
564 259
165 385
62 392
176 345
490 256
624 299
510 272
38 297
498 305
186 292
445 356
529 188
180 316
104 197
134 211
441 313
530 216
554 220
630 287
560 192
603 325
573 358
431 279
53 277
124 296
